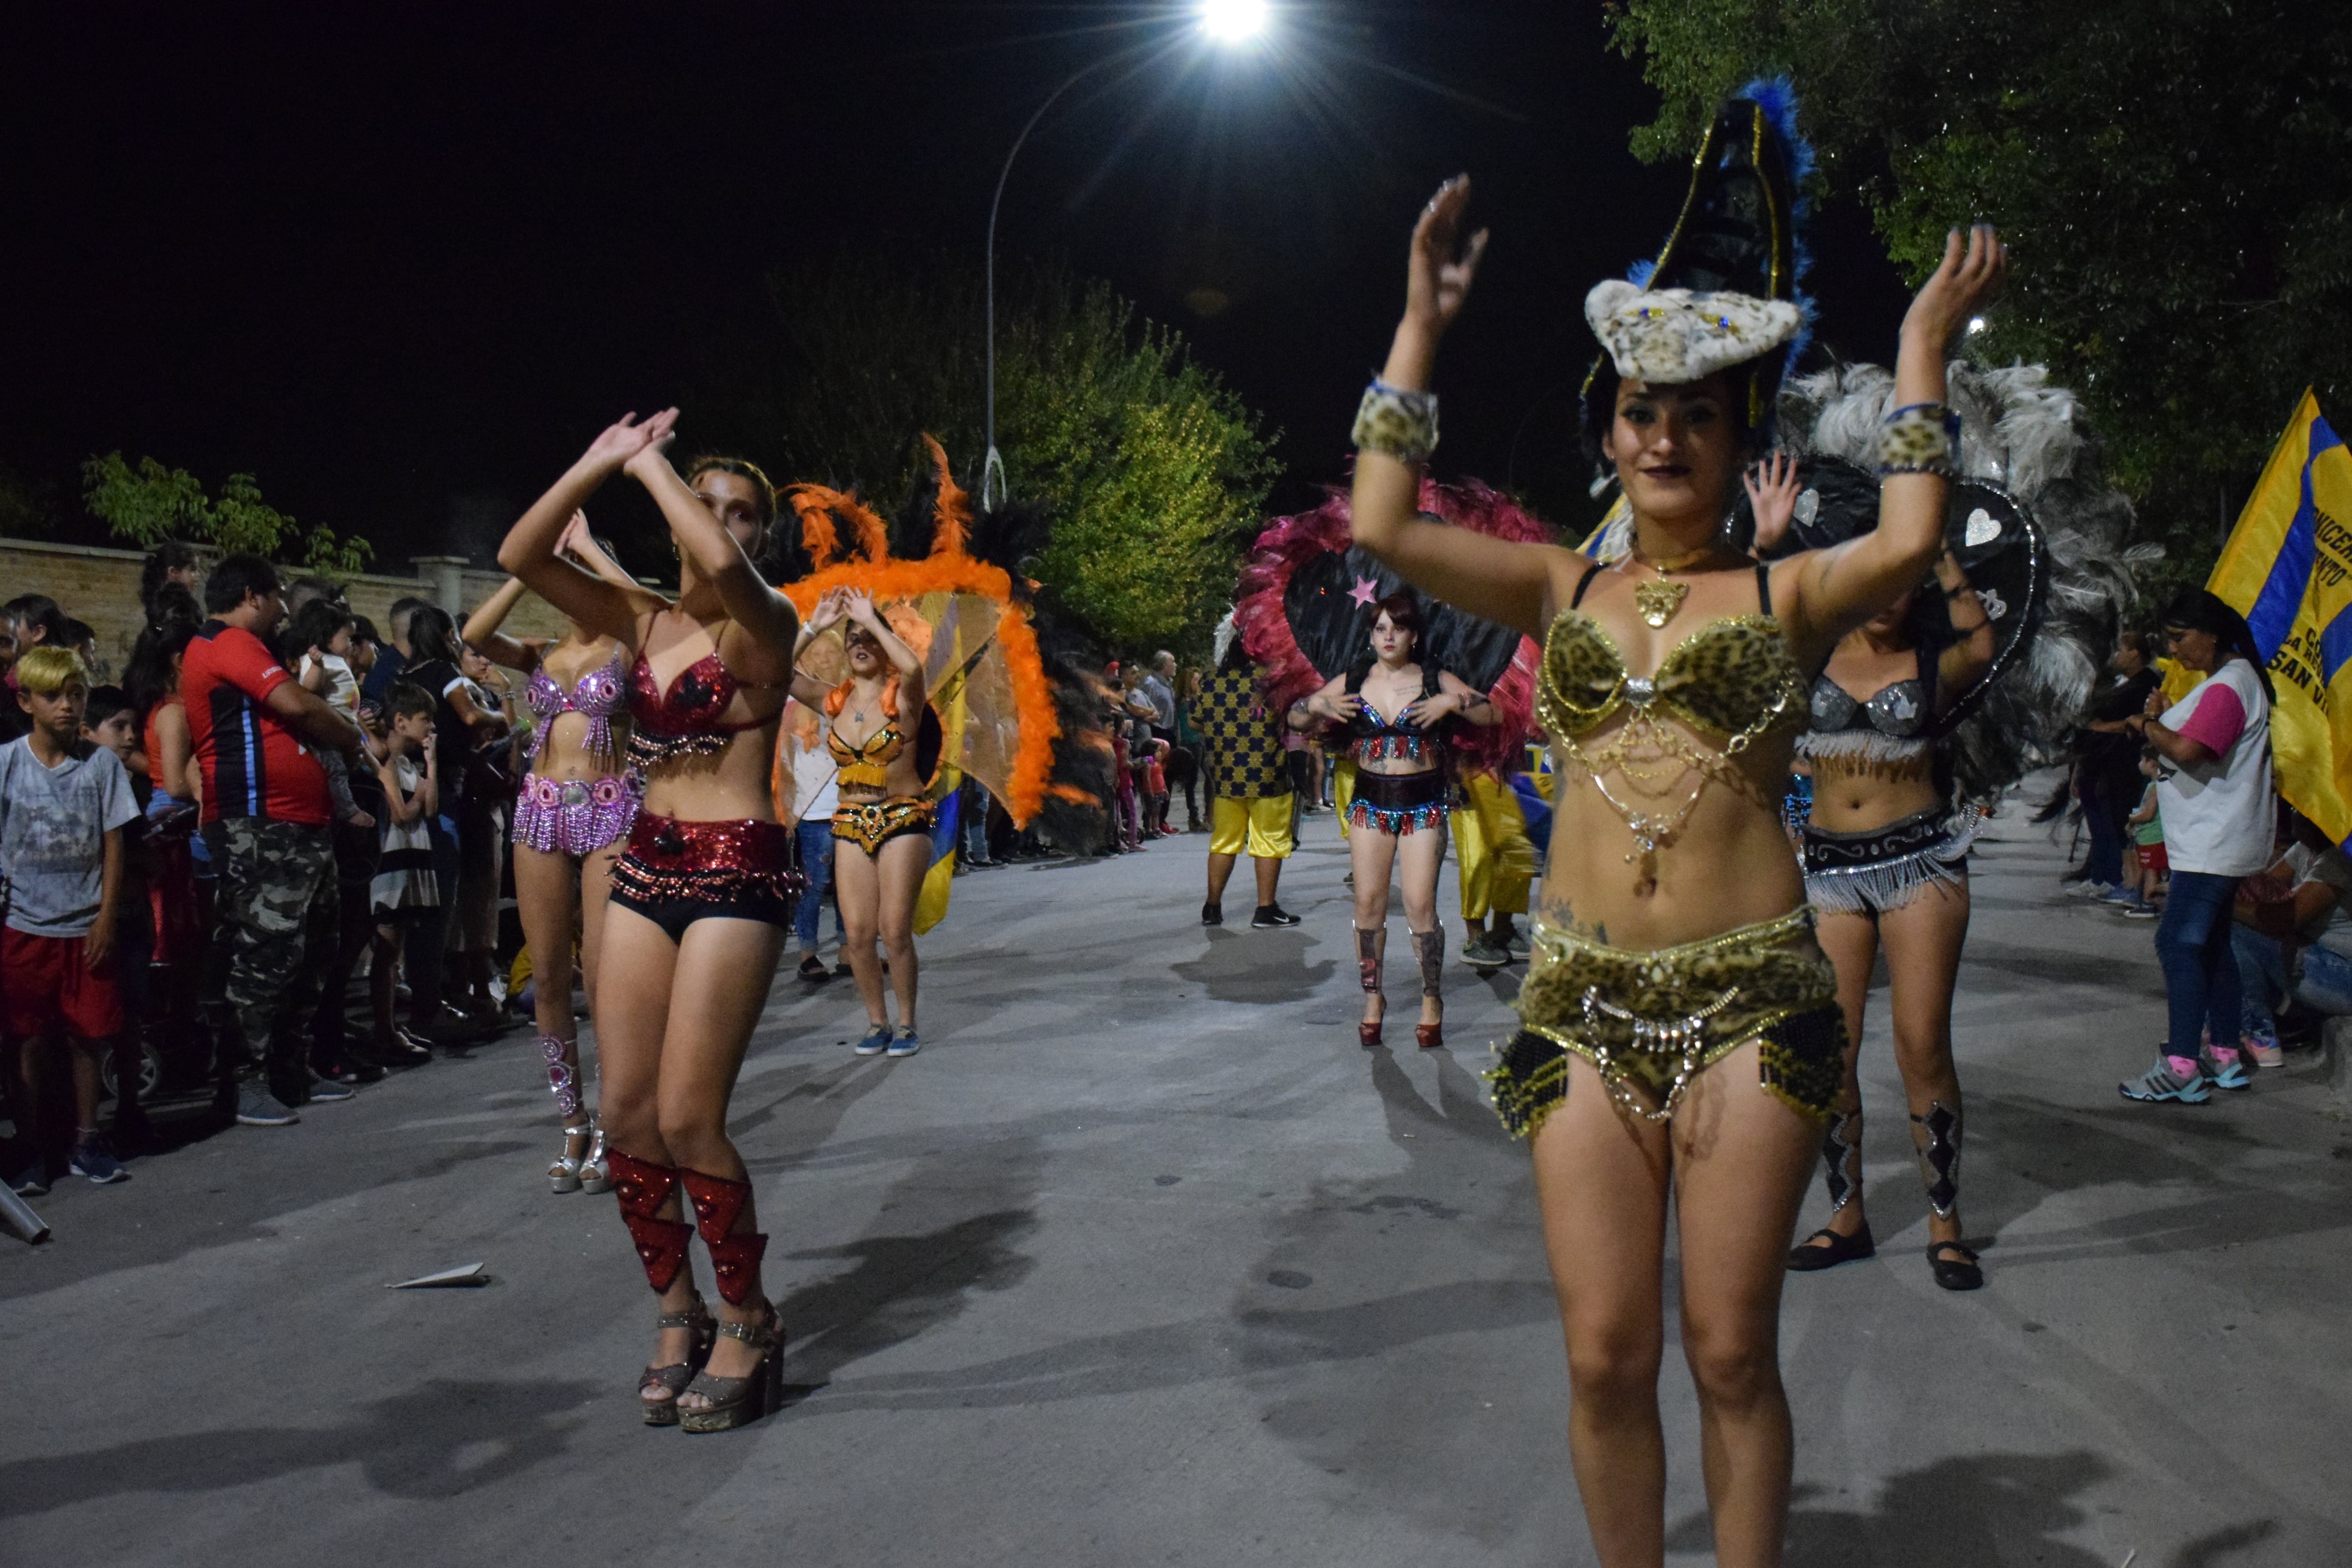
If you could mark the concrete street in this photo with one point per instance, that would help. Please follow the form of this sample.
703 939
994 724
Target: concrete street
1143 1261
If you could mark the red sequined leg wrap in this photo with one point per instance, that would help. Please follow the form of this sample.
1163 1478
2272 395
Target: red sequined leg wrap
734 1258
643 1187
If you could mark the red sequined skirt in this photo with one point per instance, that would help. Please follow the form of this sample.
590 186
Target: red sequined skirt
747 870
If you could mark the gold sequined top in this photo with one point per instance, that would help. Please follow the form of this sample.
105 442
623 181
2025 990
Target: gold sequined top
1732 677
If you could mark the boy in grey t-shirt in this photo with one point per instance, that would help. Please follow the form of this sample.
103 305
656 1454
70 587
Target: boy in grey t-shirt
63 806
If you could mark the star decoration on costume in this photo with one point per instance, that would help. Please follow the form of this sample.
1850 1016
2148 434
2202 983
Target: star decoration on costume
1364 591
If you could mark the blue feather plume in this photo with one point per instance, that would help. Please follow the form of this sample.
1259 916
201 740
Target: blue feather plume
1777 96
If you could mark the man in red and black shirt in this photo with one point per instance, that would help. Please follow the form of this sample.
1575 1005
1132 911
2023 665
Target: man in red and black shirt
266 813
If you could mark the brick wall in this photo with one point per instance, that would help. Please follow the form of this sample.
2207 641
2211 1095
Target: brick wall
102 586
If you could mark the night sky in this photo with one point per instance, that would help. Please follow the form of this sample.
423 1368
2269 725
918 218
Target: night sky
400 263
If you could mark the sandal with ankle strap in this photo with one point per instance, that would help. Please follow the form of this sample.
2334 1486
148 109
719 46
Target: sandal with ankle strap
739 1401
1805 1257
673 1378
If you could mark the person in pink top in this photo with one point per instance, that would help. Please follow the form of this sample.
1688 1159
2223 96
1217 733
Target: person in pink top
2220 811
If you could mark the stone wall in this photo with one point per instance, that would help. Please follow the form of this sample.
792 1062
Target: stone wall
102 586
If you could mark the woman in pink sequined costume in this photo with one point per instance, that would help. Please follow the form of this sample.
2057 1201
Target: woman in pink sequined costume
702 898
1389 708
573 810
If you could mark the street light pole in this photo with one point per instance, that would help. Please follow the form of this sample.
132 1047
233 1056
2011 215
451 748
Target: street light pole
1232 23
991 473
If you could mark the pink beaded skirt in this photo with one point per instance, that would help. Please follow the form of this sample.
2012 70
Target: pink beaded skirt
574 817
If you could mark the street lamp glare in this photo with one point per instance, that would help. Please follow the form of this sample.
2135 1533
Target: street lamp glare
1234 21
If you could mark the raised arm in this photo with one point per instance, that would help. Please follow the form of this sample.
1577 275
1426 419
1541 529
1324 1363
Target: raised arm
531 550
1840 588
1499 579
860 608
1969 654
750 602
582 546
482 629
807 688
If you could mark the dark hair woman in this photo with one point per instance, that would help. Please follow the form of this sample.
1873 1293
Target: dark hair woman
1389 706
701 900
2220 811
1681 1033
1885 856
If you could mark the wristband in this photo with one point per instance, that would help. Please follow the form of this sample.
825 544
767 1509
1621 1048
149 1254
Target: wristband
1400 423
1921 438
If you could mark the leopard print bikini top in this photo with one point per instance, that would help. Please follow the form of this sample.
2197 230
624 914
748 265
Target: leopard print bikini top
1732 677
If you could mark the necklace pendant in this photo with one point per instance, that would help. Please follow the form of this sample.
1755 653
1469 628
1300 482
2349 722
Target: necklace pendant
1657 602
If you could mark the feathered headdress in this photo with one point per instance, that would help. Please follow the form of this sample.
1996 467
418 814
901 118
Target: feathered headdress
1723 292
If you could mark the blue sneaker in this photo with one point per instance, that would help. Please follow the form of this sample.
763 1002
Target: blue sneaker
2229 1075
326 1090
905 1043
32 1182
875 1041
2157 1083
2121 895
93 1157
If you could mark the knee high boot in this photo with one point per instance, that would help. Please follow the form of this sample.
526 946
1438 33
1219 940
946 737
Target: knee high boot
1372 947
1429 947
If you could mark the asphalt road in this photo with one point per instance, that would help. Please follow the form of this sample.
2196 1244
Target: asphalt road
1143 1261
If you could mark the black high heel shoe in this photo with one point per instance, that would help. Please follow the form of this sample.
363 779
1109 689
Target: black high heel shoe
739 1401
678 1375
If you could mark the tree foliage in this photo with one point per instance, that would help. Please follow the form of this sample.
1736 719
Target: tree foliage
2174 178
1152 470
151 503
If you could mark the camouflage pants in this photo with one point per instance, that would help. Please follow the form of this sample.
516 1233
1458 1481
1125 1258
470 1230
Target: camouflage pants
277 927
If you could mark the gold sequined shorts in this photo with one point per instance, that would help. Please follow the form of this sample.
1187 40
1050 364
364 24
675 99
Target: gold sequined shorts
1651 1022
871 823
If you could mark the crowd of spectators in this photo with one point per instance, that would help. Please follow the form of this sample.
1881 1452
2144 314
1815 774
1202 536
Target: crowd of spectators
202 863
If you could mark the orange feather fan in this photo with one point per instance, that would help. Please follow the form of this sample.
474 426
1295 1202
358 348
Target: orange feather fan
952 510
817 504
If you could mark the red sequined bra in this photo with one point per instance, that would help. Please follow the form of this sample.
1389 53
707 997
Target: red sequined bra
684 721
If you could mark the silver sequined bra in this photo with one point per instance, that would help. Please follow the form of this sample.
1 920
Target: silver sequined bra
1887 727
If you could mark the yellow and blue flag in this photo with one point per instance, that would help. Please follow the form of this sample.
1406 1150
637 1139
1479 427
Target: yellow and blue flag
2287 568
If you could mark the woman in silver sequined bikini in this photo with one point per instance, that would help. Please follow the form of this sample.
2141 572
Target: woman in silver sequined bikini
1887 866
571 815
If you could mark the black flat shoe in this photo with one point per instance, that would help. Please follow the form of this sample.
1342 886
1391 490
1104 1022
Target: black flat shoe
1805 1257
1959 1273
1210 915
814 971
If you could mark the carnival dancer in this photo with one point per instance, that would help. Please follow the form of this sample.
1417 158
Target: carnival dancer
572 814
1680 1029
882 822
1251 805
701 898
1886 859
1389 706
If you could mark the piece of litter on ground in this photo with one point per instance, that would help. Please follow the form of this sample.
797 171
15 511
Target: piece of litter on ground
463 1275
18 1218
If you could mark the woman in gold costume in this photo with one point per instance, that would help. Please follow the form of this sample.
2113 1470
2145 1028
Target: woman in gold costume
1681 1030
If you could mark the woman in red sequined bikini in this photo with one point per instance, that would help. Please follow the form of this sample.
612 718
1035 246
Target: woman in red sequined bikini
701 900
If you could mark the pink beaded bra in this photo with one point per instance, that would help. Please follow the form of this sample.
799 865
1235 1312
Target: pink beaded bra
601 695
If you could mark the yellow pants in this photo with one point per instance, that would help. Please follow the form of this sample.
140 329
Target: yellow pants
1262 825
1497 861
